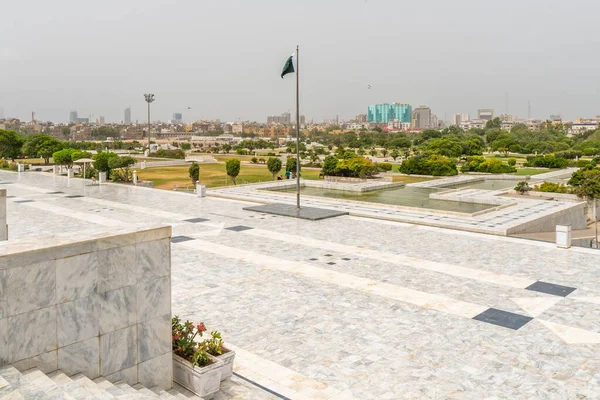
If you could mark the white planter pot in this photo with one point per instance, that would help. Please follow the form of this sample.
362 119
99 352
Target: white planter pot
227 359
202 381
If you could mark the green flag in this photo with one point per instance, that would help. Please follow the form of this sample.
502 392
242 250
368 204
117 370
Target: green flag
290 66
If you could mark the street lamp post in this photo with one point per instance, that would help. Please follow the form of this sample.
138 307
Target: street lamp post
149 99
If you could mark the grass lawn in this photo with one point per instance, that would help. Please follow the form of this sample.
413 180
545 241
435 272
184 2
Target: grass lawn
31 160
532 171
212 175
411 179
225 157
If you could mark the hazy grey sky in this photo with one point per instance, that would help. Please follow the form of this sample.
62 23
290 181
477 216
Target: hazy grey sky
223 57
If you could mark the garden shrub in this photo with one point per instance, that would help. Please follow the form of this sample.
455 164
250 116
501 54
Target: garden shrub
162 153
551 187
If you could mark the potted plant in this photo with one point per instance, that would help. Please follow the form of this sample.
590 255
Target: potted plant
215 347
193 367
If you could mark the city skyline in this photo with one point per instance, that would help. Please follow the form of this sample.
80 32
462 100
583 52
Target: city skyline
235 75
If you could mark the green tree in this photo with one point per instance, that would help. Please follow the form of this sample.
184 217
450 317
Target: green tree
395 154
329 165
373 152
274 166
232 166
101 161
384 152
290 165
124 163
494 123
445 147
78 154
64 157
41 146
194 172
512 162
186 146
10 144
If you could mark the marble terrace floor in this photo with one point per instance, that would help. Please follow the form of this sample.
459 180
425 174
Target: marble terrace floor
354 308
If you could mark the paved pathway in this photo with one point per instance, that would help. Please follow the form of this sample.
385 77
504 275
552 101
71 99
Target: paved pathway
353 307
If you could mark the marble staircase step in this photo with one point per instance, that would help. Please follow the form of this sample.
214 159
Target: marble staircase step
108 386
45 383
162 394
34 384
147 392
19 387
59 378
92 387
131 392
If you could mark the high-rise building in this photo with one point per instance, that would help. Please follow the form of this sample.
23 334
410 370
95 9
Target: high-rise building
73 117
284 119
361 118
383 113
458 118
177 118
421 118
486 114
127 119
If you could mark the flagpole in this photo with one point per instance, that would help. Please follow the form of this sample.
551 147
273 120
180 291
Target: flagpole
297 128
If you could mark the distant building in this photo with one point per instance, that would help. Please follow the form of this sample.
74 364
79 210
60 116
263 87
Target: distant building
555 118
285 119
127 120
485 114
582 125
177 118
421 118
362 118
396 125
457 119
73 117
383 113
101 120
506 118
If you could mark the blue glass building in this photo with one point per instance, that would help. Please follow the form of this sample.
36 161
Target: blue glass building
382 113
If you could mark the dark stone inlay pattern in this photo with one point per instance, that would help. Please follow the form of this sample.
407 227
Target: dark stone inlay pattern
288 210
331 263
313 259
179 239
345 259
551 288
504 319
55 193
73 196
196 220
23 201
238 228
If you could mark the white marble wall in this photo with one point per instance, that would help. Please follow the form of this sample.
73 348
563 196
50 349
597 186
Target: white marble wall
3 230
99 305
